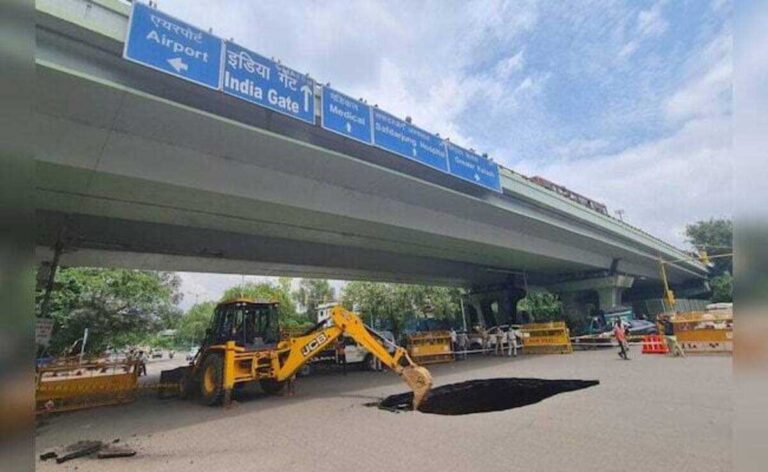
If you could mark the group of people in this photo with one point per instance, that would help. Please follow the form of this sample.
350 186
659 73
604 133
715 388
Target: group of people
506 342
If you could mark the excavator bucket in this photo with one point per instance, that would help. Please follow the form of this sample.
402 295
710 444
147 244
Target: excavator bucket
420 381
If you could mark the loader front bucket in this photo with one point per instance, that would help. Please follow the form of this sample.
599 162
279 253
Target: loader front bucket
420 381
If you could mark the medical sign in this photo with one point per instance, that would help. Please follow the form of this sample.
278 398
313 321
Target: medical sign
346 116
473 168
403 138
169 45
259 80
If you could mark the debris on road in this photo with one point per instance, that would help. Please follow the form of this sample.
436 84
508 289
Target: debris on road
481 396
79 449
87 448
111 452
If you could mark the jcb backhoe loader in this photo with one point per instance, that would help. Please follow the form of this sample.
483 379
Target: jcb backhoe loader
243 344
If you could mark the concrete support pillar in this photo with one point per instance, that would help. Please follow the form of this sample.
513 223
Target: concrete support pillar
609 297
608 290
496 305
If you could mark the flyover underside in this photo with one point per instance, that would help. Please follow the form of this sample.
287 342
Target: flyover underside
107 220
130 178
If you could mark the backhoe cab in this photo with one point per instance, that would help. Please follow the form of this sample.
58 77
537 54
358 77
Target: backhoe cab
243 344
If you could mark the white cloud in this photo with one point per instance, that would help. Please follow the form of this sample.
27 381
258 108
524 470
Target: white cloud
509 65
651 22
708 90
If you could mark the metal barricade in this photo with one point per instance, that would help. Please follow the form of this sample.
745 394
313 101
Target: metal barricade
546 338
701 332
66 385
430 347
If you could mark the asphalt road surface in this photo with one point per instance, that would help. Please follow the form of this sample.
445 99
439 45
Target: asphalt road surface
648 414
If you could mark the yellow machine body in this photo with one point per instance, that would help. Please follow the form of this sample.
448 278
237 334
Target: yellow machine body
275 365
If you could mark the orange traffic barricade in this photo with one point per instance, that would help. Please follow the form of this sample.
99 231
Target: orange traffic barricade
654 344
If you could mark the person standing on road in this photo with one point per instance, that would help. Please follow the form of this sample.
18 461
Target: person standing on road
511 342
142 363
454 342
500 337
341 355
290 385
621 338
463 344
669 335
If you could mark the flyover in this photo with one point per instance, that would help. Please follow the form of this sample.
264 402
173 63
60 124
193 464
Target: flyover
136 168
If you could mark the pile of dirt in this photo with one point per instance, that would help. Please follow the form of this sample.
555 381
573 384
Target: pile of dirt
481 396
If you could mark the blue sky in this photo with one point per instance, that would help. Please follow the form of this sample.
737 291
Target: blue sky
628 102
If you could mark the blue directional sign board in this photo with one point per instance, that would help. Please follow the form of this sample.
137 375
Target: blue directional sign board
403 138
473 168
164 43
259 80
346 116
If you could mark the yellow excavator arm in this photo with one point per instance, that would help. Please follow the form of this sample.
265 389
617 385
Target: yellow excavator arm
303 348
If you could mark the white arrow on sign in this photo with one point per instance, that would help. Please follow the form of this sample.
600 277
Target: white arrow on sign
349 127
178 64
307 95
477 177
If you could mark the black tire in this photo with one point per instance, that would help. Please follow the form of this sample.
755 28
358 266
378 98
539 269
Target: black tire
212 380
271 386
185 386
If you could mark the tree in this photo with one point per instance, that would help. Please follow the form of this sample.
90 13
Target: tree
267 291
118 306
311 293
715 237
722 288
195 321
543 306
397 302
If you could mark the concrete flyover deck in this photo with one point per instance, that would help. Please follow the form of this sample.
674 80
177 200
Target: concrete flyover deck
139 169
651 413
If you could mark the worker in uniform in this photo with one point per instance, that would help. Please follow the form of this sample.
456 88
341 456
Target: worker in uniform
669 335
621 338
500 337
341 356
463 344
511 342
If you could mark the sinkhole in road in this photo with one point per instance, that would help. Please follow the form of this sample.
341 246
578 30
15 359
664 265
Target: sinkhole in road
483 396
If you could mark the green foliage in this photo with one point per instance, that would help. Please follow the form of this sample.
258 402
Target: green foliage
194 323
267 291
542 305
117 306
311 293
396 302
722 288
716 237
